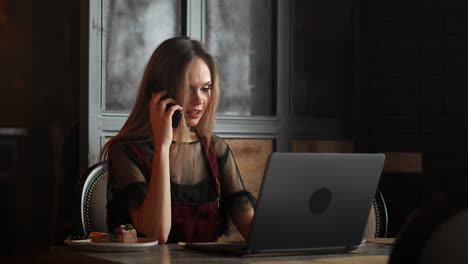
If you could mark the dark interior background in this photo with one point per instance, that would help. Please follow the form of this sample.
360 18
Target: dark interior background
40 85
418 96
414 99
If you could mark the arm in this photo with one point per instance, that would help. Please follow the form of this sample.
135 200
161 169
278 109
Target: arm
153 217
239 201
243 220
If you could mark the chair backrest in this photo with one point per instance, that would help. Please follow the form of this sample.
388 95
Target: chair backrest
91 200
377 223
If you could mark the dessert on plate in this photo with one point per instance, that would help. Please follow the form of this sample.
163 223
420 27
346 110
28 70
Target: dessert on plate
122 234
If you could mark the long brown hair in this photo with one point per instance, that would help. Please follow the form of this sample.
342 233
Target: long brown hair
167 69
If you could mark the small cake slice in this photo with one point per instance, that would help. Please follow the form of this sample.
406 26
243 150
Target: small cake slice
124 234
99 237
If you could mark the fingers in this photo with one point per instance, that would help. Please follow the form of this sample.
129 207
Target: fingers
159 95
162 105
156 97
174 108
160 100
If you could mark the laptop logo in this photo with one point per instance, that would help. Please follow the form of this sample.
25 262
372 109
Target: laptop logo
320 200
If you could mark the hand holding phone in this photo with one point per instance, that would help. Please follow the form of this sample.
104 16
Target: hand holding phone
177 116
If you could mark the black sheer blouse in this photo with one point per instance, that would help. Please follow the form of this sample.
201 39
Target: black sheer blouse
191 180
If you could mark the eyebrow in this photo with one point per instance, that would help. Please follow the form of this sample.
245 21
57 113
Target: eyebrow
207 83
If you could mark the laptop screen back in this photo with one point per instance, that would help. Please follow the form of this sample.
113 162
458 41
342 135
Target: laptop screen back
314 200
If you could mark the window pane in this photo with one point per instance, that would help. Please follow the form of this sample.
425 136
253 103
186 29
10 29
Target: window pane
323 65
133 30
239 34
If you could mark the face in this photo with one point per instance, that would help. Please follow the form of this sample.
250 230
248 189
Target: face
199 94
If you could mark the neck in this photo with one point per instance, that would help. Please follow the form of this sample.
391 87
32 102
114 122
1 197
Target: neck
191 137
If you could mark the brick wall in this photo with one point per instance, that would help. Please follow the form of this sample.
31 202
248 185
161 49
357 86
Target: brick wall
418 93
418 89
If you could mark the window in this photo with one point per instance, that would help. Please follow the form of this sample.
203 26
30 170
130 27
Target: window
240 36
274 83
133 30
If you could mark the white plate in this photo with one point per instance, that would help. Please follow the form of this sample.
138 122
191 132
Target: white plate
86 244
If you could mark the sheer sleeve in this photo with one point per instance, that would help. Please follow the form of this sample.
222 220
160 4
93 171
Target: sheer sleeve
127 186
235 197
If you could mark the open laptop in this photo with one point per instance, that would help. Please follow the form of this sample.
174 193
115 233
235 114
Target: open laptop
309 203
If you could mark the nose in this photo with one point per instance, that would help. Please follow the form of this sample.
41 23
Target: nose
197 98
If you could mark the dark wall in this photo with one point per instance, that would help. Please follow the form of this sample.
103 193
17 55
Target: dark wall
418 67
39 78
15 62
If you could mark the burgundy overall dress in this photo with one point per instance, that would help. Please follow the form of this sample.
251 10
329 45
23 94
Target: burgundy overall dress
191 222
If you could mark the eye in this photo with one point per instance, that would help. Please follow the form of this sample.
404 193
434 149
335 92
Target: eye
206 88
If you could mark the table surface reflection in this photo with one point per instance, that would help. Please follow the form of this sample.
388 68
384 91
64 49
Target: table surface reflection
173 253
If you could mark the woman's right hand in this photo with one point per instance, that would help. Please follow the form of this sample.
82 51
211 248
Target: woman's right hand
160 119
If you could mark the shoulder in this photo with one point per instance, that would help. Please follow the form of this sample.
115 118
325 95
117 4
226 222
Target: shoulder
115 147
128 147
217 140
220 144
118 146
221 147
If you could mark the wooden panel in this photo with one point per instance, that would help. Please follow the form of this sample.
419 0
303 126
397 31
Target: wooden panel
404 162
327 146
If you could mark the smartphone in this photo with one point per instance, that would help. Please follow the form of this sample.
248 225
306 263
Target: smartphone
177 116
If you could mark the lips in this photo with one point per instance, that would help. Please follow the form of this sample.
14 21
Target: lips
193 114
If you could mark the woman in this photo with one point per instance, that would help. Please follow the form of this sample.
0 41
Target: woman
176 184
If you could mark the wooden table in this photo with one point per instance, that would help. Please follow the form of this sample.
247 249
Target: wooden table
173 253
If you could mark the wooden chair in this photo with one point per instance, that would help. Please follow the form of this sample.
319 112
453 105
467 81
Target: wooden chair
377 223
90 212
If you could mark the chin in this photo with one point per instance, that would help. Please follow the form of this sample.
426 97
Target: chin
192 123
